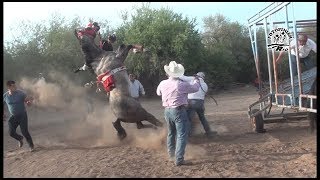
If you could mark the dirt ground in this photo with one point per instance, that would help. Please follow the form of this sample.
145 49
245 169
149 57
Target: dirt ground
70 143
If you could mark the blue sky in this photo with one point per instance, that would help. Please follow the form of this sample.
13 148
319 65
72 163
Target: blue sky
14 12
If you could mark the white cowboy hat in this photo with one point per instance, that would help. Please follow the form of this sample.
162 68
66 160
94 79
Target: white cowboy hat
201 74
174 69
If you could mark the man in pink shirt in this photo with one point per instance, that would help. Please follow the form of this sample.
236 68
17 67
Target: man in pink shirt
174 94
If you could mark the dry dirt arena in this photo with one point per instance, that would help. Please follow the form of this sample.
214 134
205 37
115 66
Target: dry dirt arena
69 143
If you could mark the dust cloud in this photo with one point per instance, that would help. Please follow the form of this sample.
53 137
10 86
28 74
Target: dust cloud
62 105
60 109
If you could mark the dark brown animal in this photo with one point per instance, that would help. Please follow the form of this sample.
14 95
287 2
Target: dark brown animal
110 69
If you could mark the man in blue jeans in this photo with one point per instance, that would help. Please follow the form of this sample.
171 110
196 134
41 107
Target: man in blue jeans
15 100
174 94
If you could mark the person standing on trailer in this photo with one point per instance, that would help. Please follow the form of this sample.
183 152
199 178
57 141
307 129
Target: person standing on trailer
305 45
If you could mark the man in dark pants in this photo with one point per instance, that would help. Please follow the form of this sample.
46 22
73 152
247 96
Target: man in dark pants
107 43
86 37
196 105
305 46
15 100
136 89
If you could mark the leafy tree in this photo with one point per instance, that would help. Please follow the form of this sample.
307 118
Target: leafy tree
223 50
167 35
45 47
228 44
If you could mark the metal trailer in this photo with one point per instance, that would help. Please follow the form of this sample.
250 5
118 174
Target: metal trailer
290 94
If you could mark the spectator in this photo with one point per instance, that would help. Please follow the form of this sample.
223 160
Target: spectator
174 94
305 45
15 100
89 99
196 104
136 89
41 77
107 43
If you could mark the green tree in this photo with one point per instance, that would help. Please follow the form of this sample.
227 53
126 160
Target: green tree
45 47
230 56
168 37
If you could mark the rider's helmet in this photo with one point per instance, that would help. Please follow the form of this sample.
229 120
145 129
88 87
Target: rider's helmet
112 38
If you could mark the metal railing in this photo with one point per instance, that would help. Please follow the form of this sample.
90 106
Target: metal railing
295 26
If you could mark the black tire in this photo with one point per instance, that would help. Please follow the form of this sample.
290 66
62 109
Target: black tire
257 122
313 121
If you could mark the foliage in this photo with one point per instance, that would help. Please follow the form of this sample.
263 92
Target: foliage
223 50
229 46
168 37
45 47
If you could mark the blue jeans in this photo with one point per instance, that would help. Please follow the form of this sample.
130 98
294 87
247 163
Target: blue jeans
178 125
306 61
197 105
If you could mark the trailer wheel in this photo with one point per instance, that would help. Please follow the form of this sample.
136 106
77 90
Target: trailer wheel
257 122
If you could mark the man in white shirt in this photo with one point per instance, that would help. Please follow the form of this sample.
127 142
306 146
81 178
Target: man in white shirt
196 104
41 77
305 45
136 89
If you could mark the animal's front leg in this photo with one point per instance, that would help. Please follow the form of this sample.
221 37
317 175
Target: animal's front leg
121 132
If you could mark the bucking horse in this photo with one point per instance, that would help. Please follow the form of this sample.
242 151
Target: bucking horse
112 74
